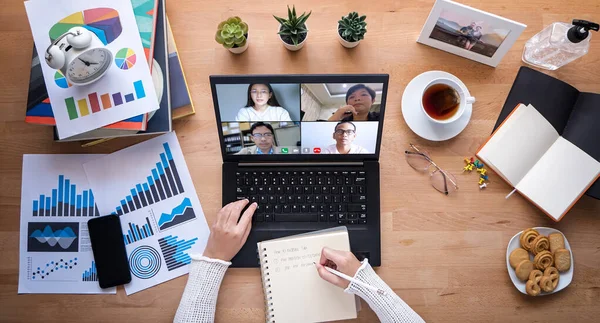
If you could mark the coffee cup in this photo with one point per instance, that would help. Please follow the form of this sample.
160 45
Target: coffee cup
444 101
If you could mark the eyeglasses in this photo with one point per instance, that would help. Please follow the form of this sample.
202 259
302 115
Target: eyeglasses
341 132
260 135
255 92
441 180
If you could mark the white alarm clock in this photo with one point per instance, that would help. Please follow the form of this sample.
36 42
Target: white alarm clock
80 55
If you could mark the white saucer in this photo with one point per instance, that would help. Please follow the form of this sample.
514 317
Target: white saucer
416 119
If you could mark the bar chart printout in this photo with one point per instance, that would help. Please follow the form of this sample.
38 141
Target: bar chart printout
64 201
94 102
90 275
137 233
162 182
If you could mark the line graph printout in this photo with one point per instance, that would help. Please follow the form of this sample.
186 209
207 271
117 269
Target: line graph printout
54 244
150 188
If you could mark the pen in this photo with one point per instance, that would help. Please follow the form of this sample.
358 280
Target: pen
348 278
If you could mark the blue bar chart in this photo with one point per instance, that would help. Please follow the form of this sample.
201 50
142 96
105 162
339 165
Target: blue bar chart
64 201
137 233
162 183
90 275
173 251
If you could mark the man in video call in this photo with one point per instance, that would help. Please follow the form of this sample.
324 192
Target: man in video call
359 99
344 134
262 136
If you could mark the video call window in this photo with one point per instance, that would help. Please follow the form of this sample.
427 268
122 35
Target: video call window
261 138
344 137
259 102
310 118
341 101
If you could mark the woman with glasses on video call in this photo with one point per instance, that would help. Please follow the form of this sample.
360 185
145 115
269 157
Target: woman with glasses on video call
262 105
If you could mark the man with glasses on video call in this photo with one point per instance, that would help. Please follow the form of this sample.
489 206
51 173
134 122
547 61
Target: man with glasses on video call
262 136
344 134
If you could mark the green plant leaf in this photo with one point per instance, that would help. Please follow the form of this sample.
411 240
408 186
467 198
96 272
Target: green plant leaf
244 27
243 43
280 20
218 38
290 17
293 11
232 20
285 33
363 18
221 24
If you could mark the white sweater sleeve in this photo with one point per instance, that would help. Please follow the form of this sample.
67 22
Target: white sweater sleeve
199 298
390 307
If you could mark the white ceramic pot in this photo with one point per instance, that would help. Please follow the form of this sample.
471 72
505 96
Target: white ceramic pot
239 50
292 47
345 43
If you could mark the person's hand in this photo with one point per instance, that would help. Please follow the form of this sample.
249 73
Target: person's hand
341 113
342 261
227 235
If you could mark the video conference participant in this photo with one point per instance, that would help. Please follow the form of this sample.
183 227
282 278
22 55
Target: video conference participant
262 135
344 134
262 105
359 99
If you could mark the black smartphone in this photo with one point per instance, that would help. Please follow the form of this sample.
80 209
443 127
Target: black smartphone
110 255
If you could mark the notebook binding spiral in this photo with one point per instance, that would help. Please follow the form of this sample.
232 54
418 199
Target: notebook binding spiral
266 280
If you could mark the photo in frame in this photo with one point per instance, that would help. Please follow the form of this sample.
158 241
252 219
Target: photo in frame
469 32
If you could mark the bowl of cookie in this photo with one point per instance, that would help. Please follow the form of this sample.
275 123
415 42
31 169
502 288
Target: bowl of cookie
539 261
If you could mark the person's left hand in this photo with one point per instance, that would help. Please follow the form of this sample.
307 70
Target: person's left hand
227 235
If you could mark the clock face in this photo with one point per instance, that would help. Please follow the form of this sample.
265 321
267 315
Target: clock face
89 66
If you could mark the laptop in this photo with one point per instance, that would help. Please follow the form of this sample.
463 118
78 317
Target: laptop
306 149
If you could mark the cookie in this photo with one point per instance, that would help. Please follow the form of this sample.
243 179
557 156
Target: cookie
562 259
523 269
543 260
518 255
539 244
532 288
527 238
557 241
535 276
549 283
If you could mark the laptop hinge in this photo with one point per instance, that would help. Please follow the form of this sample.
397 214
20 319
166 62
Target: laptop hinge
246 164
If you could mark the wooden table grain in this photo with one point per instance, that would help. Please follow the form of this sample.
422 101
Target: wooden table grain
445 256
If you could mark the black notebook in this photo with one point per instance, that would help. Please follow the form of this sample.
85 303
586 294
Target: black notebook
575 115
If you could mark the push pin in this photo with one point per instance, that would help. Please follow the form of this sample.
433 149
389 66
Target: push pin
482 186
480 165
484 177
472 160
482 171
468 168
481 181
467 160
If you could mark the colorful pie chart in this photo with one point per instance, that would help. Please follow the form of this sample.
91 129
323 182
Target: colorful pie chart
125 58
61 80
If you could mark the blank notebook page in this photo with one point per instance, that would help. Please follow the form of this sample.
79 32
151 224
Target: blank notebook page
298 293
559 178
518 143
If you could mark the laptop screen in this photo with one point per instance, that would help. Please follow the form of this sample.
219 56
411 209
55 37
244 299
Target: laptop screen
271 117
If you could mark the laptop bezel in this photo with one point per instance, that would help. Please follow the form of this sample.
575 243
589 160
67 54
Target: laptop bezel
299 79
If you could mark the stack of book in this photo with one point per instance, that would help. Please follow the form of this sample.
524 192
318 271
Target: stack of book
168 77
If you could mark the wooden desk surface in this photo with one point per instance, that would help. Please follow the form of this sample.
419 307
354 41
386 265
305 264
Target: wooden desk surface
445 256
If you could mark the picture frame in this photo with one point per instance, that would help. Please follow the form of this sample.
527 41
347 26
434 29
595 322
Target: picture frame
468 32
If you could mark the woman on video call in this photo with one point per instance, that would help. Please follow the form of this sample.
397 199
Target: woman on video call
262 105
359 99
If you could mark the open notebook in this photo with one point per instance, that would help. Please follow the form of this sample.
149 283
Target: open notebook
294 292
550 171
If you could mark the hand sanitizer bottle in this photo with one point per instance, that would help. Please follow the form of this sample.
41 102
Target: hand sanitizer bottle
559 44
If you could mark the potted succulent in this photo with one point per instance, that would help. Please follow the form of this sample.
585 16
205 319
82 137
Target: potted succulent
293 31
233 35
352 29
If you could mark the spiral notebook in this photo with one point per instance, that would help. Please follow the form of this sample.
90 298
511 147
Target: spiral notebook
294 292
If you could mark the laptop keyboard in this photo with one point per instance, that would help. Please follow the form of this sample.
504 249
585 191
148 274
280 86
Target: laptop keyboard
334 197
